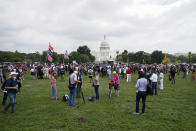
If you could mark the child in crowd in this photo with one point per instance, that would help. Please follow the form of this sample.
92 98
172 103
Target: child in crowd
111 84
53 84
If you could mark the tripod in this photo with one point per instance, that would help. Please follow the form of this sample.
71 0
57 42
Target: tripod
80 92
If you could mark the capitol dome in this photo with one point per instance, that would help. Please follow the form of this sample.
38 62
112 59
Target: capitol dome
104 45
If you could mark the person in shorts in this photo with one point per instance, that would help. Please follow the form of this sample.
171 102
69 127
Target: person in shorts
90 72
116 83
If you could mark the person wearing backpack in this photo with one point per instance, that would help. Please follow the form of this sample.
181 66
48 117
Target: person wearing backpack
12 87
141 85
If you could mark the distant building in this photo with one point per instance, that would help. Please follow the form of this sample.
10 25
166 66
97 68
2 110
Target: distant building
179 54
104 54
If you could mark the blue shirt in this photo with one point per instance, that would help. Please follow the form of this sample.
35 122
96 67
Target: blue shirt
142 84
11 83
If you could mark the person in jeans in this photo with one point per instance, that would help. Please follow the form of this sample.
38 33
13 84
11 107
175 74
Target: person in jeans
54 89
96 85
11 86
154 79
73 82
141 85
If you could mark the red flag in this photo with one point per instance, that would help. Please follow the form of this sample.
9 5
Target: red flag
50 47
49 58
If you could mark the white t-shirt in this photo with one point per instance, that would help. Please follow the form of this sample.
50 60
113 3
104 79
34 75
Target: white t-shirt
154 77
73 78
161 75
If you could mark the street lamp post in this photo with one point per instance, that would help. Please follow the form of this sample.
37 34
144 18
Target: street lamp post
117 52
189 58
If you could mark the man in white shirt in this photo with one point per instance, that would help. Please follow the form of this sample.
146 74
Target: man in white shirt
154 79
161 76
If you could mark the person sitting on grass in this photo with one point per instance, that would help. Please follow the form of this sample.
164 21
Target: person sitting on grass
11 86
53 84
141 85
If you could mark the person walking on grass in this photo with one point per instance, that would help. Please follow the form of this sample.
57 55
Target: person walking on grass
109 73
173 75
53 84
141 85
161 76
90 73
154 79
11 86
116 83
128 72
96 85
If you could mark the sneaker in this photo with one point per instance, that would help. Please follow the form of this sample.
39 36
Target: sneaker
143 114
136 113
5 111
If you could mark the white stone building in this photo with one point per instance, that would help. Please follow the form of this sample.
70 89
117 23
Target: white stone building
104 54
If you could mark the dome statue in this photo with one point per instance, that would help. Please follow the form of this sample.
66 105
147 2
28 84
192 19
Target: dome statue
104 47
104 54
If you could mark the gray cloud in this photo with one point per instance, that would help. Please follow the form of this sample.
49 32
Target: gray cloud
29 26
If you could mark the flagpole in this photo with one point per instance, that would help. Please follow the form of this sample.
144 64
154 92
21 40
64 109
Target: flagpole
63 60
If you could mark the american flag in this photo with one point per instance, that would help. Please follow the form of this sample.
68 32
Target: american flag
50 50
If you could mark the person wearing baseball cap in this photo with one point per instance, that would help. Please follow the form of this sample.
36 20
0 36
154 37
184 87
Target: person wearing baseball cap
11 86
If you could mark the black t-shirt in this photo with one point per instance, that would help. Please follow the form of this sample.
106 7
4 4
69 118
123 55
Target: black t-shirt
11 83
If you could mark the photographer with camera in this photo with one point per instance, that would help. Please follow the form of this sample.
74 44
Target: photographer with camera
73 87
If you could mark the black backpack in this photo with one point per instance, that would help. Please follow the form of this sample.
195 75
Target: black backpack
65 97
149 88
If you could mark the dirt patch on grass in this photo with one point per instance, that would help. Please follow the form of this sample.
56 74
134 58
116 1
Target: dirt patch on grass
28 86
82 120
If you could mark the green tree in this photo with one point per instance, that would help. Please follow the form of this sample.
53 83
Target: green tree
85 50
74 56
44 56
125 56
131 57
139 57
157 57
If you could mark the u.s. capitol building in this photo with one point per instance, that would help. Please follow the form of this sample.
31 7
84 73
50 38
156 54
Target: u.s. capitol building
104 54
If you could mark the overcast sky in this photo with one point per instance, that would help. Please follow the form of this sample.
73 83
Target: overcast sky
147 25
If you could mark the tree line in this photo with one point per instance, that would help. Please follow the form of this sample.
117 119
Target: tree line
154 57
83 55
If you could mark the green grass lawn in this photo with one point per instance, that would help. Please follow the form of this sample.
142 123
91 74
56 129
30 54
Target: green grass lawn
173 109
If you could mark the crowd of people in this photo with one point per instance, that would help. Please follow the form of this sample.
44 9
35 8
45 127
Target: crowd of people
148 77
